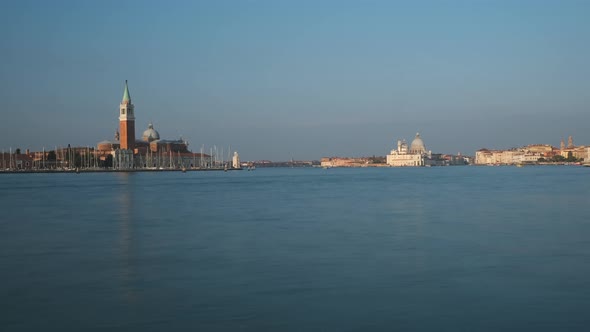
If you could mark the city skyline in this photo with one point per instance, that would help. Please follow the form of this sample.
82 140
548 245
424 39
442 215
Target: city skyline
298 80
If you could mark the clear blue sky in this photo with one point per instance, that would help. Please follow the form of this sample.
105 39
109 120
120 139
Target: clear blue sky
298 79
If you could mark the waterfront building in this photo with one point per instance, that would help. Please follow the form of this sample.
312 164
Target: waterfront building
344 162
503 157
544 149
15 161
451 160
415 155
578 152
506 157
167 146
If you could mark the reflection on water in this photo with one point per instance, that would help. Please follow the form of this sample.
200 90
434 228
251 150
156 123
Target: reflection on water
409 222
128 272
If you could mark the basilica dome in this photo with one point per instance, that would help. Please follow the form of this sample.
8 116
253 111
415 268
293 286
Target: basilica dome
417 145
150 134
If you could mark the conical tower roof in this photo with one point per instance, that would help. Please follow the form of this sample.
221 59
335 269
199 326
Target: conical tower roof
126 95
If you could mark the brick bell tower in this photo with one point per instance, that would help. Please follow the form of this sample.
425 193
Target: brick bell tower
126 122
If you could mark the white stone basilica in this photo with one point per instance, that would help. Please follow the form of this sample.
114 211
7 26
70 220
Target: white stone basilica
416 155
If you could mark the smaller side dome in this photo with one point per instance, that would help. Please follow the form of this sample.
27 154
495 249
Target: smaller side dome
150 134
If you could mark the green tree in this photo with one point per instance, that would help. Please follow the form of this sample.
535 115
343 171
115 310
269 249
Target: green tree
558 159
77 160
51 155
108 163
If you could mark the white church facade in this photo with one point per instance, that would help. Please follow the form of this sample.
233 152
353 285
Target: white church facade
415 155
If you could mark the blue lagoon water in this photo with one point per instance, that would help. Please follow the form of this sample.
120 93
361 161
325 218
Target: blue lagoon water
411 249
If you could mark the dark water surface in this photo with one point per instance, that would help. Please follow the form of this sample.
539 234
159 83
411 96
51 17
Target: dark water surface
425 249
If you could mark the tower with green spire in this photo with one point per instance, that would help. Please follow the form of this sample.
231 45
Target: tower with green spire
126 121
126 96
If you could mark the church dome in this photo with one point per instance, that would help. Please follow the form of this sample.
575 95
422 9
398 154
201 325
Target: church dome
417 145
150 134
107 146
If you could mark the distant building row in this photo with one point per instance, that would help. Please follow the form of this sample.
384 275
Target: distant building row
414 155
417 155
532 154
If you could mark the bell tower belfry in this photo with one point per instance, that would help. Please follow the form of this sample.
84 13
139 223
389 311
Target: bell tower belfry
126 121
